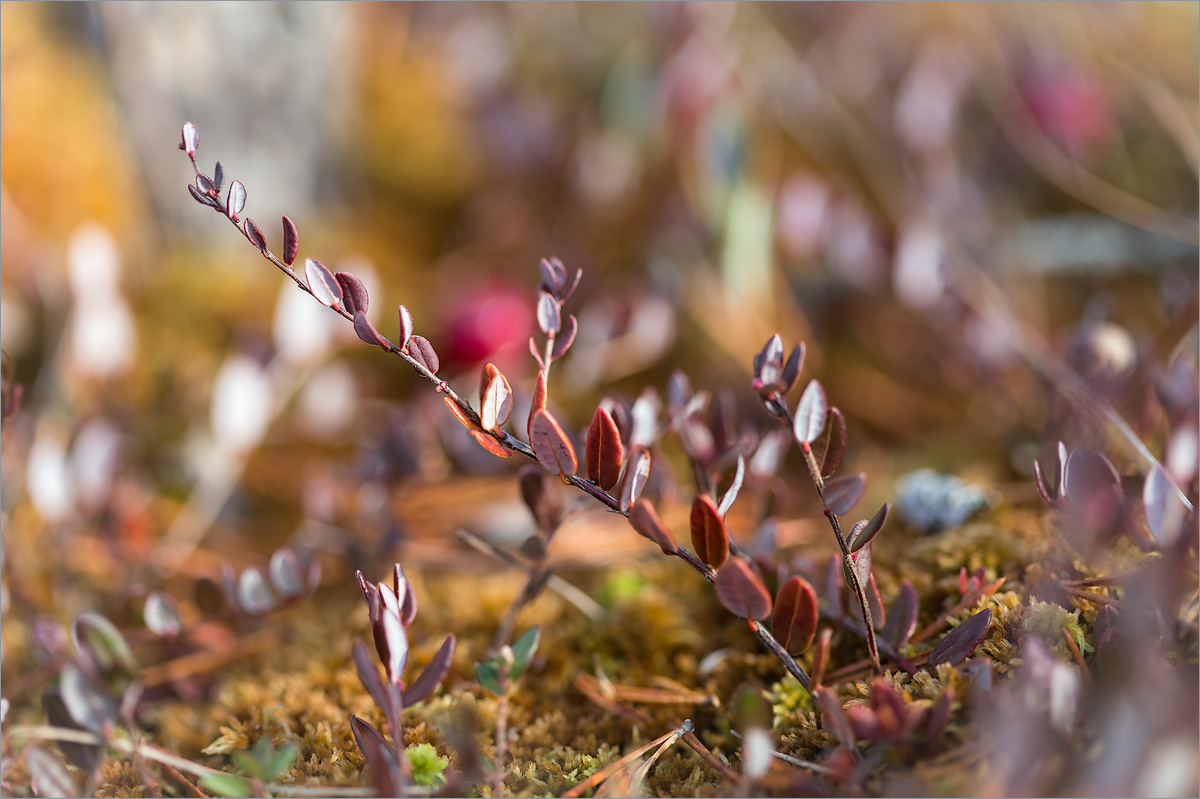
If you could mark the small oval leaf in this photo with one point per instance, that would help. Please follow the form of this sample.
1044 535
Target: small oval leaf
603 450
367 332
551 445
219 176
810 413
902 616
549 313
794 620
291 241
565 338
323 285
354 293
395 643
236 201
523 650
828 448
190 139
420 350
368 673
637 472
253 596
406 327
89 704
497 402
490 444
793 367
863 535
842 494
433 673
255 235
97 639
741 591
286 575
161 615
709 537
201 197
960 643
645 520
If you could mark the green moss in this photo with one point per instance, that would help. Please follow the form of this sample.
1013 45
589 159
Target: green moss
427 765
1046 621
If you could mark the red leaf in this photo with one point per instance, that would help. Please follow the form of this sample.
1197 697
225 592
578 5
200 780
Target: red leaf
462 418
554 275
485 377
637 472
791 370
829 446
960 642
645 520
551 445
538 402
741 591
842 494
367 332
566 337
406 327
432 674
255 235
354 293
603 450
810 413
861 536
709 537
902 616
291 241
422 352
201 197
497 402
537 356
323 285
236 200
794 621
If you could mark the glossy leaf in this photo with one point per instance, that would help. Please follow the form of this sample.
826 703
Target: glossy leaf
88 702
490 444
354 294
236 201
190 139
383 693
794 620
487 674
253 596
497 402
637 472
565 337
810 413
48 776
549 313
960 643
287 577
551 445
793 367
161 615
407 596
201 197
420 350
433 673
709 537
379 756
396 644
255 235
206 185
406 327
768 363
861 536
97 639
645 520
731 493
741 591
323 285
902 616
1087 472
367 332
831 444
523 651
842 494
1164 512
603 450
554 274
219 176
291 241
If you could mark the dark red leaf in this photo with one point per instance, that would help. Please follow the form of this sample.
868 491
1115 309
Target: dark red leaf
291 241
861 536
768 364
793 367
554 275
833 717
191 139
368 673
939 714
538 402
219 176
404 593
406 327
543 503
423 353
603 450
569 290
323 285
551 445
354 293
829 446
236 200
565 337
432 674
741 591
549 313
367 332
810 413
497 402
637 472
842 494
255 235
645 520
902 617
201 197
709 537
379 756
960 642
794 620
1047 492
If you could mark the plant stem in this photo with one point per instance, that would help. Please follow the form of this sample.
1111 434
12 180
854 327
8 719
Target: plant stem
501 742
